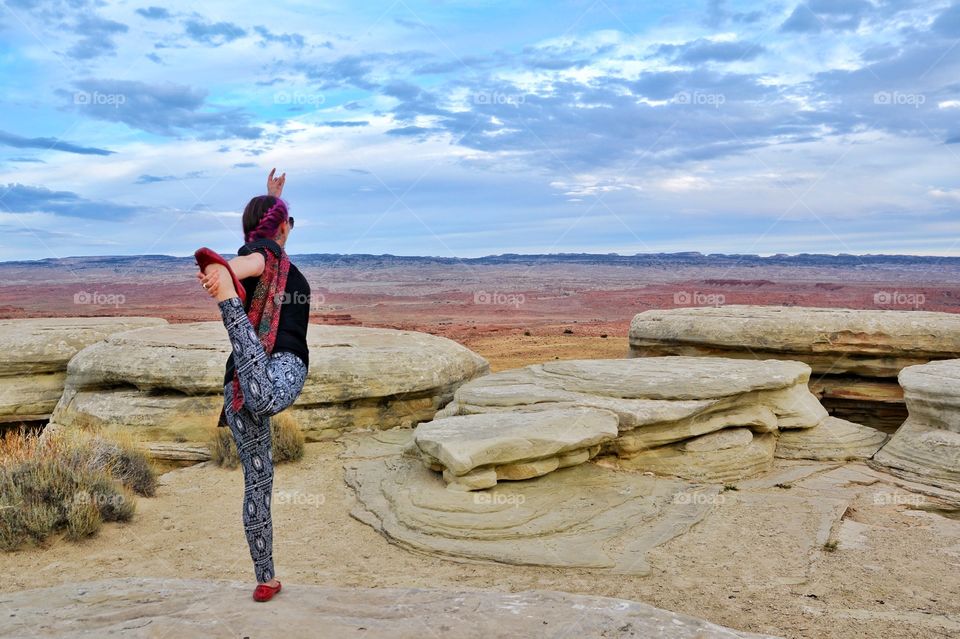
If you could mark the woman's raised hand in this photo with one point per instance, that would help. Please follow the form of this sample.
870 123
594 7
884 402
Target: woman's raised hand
275 185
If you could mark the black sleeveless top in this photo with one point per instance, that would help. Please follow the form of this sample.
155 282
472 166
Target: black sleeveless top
294 310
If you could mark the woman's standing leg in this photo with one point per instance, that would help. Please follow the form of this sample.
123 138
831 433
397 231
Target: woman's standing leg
270 383
251 433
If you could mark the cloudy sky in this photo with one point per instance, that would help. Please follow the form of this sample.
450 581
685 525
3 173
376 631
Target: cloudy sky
467 128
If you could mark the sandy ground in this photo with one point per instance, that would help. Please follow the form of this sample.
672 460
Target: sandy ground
896 573
514 349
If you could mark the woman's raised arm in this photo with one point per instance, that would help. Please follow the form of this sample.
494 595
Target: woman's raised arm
248 265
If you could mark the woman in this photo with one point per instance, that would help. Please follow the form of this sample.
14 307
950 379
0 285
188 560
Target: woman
264 301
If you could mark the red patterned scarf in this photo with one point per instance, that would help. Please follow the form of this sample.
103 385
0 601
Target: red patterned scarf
265 309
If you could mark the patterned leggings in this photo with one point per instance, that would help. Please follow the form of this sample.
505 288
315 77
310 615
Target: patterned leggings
270 383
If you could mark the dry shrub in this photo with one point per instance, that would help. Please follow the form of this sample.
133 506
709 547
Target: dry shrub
223 450
288 441
71 481
286 438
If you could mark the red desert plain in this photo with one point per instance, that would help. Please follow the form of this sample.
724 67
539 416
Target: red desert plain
512 309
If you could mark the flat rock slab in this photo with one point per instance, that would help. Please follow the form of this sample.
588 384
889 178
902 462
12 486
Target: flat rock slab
584 516
34 355
166 383
927 446
836 340
198 608
707 419
511 446
855 354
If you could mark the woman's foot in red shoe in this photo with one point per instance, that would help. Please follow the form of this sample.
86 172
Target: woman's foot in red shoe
265 592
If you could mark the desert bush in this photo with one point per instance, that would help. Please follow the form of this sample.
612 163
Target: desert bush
123 461
223 450
288 441
286 438
69 482
83 519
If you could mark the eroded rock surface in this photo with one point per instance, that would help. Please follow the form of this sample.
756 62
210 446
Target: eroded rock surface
927 446
165 384
145 607
855 354
512 447
832 439
34 355
582 516
700 418
596 516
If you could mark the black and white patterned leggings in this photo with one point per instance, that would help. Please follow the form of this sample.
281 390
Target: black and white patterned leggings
270 383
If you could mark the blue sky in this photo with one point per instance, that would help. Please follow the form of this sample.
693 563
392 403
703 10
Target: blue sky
470 128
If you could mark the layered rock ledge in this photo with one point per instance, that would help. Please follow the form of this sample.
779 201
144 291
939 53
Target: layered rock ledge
927 447
702 419
855 354
165 384
145 607
508 446
34 355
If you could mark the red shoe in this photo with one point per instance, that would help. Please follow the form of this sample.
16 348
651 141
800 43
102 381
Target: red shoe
205 257
263 592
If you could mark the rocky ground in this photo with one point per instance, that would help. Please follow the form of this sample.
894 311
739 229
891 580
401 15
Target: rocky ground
893 573
151 607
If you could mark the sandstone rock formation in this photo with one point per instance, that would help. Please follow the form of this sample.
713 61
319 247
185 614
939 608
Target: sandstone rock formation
152 607
584 516
34 355
927 446
832 439
703 419
165 384
855 354
597 517
507 446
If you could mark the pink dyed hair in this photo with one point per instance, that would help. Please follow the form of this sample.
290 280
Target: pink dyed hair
259 223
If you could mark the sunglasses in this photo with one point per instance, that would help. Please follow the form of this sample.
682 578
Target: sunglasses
290 220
